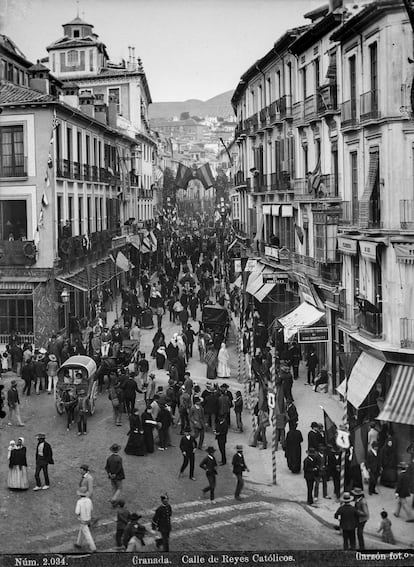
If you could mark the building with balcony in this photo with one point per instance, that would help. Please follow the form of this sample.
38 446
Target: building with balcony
326 174
68 194
80 58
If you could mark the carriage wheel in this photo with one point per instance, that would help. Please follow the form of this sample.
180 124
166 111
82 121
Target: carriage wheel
93 396
58 402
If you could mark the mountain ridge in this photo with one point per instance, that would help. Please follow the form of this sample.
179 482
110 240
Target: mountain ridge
218 105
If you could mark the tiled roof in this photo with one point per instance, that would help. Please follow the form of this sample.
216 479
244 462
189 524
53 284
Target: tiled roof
11 93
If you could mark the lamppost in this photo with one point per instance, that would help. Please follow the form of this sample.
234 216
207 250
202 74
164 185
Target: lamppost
65 296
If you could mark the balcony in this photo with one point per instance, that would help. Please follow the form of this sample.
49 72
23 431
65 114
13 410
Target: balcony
17 253
371 323
330 272
260 183
306 264
94 173
285 107
133 179
240 129
18 169
77 173
407 214
349 114
327 188
77 251
350 213
310 108
274 112
327 103
407 333
298 113
350 315
86 172
104 175
64 168
280 181
369 106
375 207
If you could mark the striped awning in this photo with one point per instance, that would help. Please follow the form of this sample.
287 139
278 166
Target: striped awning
78 281
253 277
255 285
399 403
363 376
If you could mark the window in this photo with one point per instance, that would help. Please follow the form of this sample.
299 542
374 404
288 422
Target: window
317 73
96 215
76 33
91 60
89 212
3 70
70 213
79 140
16 314
53 62
352 85
290 84
73 58
69 144
305 160
304 85
373 65
88 150
279 84
80 214
13 219
355 274
335 170
354 187
114 96
12 159
325 239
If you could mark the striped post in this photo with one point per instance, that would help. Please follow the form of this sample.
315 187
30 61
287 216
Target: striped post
273 410
252 402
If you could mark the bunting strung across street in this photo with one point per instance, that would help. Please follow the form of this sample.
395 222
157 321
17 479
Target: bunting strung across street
44 203
205 175
185 175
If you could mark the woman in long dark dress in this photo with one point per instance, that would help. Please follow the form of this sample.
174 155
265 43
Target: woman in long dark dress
136 443
388 460
157 341
148 424
293 450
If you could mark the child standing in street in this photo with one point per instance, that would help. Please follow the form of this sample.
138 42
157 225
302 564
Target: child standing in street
122 519
238 408
385 529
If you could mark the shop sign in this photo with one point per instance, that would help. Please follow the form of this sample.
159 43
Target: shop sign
275 278
237 266
250 264
313 335
347 246
369 250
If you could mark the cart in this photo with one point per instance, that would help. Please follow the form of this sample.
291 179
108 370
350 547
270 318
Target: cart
76 374
216 322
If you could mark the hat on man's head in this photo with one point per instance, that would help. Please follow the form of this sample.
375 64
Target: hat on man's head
314 424
115 448
224 386
13 383
84 467
164 496
41 436
134 517
210 450
52 357
357 491
346 497
82 490
187 430
239 447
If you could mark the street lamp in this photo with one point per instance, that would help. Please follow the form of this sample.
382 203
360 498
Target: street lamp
65 296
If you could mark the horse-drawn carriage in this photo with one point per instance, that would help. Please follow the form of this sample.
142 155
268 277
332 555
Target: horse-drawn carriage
76 374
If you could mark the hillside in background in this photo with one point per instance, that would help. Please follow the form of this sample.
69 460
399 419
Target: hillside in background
216 106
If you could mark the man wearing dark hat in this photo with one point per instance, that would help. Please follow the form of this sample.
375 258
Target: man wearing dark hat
133 533
239 466
310 473
402 492
13 401
161 521
83 510
315 437
373 466
44 458
348 521
361 508
115 470
188 446
209 464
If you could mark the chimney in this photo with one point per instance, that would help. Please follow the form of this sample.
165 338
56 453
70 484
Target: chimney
112 112
70 94
101 112
86 103
39 78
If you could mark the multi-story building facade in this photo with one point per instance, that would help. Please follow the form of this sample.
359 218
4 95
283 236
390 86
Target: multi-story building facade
67 189
80 57
325 181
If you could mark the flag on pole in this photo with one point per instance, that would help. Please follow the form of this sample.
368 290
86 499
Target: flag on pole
184 175
205 175
330 429
153 241
359 440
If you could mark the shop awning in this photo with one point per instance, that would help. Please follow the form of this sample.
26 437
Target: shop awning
264 291
303 316
363 376
255 285
399 402
78 281
135 240
253 277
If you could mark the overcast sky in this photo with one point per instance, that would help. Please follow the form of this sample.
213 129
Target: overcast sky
189 48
